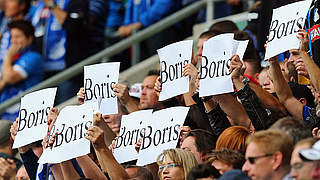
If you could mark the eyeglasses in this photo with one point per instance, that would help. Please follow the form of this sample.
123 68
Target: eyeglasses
252 159
169 166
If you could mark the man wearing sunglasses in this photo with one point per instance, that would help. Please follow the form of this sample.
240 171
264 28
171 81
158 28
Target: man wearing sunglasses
268 155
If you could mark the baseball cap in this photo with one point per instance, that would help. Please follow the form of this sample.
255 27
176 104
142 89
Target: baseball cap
135 90
5 130
311 154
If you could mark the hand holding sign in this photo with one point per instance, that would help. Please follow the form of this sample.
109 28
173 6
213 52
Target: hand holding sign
81 96
235 67
96 136
191 71
122 92
286 21
108 133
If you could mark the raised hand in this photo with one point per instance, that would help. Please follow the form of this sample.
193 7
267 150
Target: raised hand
122 92
158 86
96 136
80 96
235 67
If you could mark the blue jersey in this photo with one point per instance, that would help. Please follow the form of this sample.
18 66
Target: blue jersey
30 67
148 12
115 16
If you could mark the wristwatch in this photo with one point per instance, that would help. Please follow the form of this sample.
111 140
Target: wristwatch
245 80
51 5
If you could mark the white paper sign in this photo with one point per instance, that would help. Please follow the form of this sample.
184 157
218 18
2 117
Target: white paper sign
284 27
132 128
71 125
215 77
32 125
172 59
240 47
98 81
162 134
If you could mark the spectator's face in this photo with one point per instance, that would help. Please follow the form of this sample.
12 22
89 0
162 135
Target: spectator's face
300 170
22 174
13 8
171 170
132 172
221 166
148 97
19 39
189 144
200 47
294 55
265 82
261 167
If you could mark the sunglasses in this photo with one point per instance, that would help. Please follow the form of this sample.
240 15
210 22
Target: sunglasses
252 159
169 166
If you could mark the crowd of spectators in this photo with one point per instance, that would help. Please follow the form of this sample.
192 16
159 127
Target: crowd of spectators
267 129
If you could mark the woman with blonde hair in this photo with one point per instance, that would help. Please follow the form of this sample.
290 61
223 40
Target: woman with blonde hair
175 164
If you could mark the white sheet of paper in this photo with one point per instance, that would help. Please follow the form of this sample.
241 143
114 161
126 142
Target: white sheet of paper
284 28
241 48
98 79
214 71
71 125
172 59
162 134
131 130
32 125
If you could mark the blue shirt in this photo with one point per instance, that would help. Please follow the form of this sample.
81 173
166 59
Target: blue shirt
148 12
115 17
30 66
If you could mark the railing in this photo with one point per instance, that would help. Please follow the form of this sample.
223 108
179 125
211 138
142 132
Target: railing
104 55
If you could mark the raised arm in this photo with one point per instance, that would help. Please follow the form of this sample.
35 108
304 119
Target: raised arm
312 68
111 166
68 171
283 90
122 92
90 168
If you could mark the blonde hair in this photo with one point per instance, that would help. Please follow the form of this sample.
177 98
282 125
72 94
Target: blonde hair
185 158
271 141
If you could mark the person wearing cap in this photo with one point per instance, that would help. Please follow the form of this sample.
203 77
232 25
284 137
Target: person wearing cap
301 170
268 155
312 155
8 163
